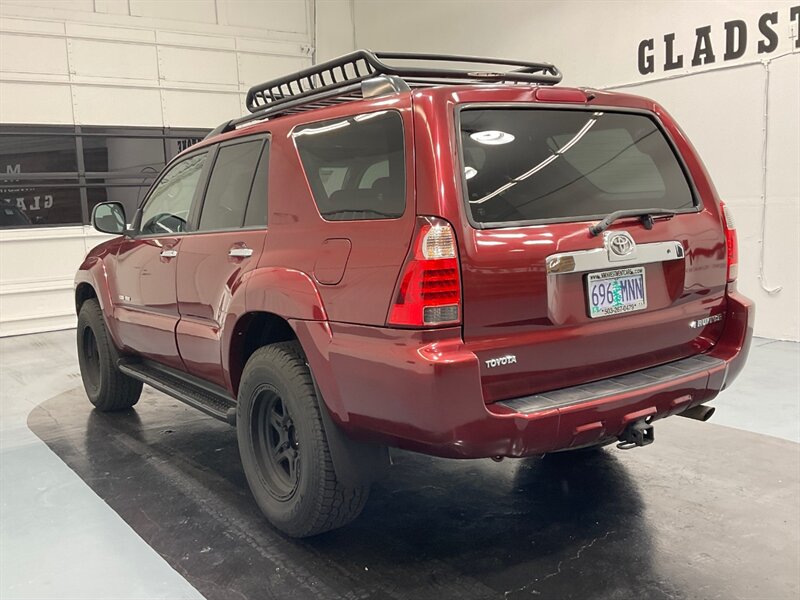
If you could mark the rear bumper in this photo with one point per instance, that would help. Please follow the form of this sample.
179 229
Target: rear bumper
421 391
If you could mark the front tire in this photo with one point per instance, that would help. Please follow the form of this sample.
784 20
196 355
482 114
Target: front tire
284 449
106 386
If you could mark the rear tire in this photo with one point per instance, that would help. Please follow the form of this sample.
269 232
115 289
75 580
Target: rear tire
106 386
284 449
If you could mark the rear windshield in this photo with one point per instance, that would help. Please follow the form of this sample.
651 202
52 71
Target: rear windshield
355 166
534 164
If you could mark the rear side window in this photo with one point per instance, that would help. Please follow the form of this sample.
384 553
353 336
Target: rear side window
256 215
229 187
355 166
537 164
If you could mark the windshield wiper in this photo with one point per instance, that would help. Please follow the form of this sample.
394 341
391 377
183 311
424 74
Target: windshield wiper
645 214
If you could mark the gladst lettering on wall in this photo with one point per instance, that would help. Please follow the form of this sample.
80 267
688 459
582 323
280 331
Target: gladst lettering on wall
736 33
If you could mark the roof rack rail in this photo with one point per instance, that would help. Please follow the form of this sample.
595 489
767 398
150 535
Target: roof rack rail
364 73
364 64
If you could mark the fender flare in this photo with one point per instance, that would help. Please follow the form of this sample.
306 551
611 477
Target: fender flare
93 272
290 293
287 293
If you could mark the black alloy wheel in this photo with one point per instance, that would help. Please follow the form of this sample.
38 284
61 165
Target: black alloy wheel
278 451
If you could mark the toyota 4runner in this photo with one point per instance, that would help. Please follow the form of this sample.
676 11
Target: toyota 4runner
388 253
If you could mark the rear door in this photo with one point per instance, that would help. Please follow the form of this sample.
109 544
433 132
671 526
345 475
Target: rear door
231 227
546 304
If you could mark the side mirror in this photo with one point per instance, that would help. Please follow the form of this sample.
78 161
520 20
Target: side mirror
109 217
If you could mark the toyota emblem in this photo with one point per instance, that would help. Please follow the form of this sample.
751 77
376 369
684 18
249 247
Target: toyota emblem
621 244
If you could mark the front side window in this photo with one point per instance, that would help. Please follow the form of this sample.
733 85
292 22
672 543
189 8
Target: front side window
523 164
356 166
229 186
167 209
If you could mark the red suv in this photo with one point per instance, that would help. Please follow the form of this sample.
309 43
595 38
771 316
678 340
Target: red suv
462 263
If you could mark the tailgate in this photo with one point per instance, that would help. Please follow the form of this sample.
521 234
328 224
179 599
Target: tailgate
546 304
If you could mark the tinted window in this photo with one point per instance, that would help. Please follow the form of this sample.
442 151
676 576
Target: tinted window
229 187
118 150
257 205
338 155
332 177
167 208
38 152
529 164
375 172
27 198
55 175
26 203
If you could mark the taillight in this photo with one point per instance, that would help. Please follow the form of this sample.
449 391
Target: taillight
731 243
429 288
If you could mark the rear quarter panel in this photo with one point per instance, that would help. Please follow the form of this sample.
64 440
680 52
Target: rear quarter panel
298 236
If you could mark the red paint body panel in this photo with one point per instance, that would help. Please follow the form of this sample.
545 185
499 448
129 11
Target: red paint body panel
420 390
332 260
430 390
142 285
208 281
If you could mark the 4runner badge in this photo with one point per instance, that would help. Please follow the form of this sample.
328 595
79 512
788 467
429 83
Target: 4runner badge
508 359
703 322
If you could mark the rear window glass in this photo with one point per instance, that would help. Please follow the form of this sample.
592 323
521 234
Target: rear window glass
230 184
534 164
355 166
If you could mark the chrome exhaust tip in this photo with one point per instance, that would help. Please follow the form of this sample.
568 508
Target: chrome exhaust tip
701 412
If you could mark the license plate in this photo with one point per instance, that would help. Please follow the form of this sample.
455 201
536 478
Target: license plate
616 292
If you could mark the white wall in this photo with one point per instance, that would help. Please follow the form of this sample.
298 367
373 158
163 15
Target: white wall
726 108
139 62
334 32
178 63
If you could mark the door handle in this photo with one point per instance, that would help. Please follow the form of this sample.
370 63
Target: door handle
239 252
169 253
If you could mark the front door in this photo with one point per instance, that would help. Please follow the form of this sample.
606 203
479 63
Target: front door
213 261
147 308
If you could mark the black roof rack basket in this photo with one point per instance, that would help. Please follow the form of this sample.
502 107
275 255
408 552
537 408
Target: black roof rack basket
345 71
364 73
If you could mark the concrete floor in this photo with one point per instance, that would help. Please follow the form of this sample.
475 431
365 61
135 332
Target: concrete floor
151 503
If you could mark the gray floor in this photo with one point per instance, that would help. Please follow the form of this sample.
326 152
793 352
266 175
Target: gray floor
766 397
58 539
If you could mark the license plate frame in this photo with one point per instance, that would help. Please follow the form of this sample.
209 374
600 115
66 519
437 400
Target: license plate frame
624 296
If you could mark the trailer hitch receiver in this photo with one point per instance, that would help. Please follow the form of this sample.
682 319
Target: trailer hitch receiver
639 433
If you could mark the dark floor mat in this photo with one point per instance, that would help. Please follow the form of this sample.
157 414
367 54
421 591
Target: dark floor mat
705 512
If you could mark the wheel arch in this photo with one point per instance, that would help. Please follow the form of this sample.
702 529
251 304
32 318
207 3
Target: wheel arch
84 291
265 307
252 331
356 462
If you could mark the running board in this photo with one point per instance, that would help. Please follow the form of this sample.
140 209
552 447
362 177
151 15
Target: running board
199 394
605 387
